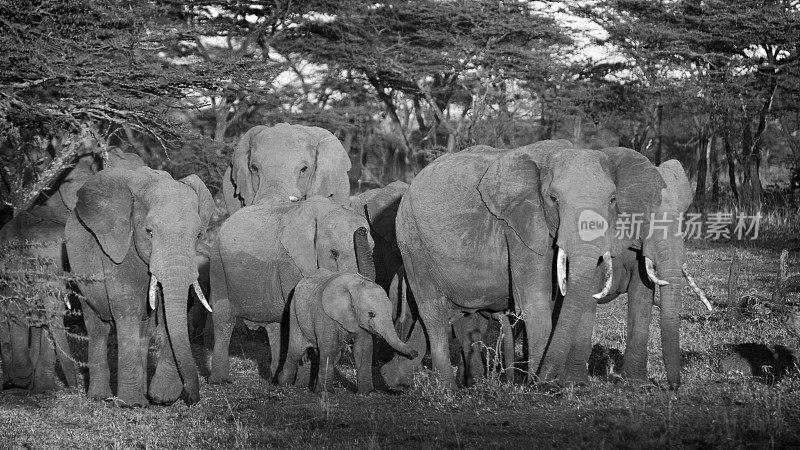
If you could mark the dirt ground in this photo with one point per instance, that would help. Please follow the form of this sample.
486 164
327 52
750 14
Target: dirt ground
720 404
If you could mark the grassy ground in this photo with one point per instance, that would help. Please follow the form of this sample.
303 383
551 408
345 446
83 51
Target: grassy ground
713 408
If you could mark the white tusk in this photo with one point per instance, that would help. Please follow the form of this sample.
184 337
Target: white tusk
561 271
700 294
292 198
67 302
651 273
152 291
200 295
609 276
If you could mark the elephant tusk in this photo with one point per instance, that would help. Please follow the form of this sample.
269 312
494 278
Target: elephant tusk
561 271
651 273
609 276
700 294
151 293
200 295
293 198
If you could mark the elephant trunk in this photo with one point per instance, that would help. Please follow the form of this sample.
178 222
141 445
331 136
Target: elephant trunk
366 265
670 257
175 290
385 329
580 291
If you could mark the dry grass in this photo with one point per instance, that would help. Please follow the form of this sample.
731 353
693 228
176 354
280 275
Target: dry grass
712 409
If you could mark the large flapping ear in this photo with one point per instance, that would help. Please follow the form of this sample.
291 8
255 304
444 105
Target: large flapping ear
330 166
68 189
309 290
678 193
510 190
205 202
105 206
240 163
299 231
339 301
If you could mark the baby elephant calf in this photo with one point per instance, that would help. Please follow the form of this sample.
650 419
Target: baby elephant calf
329 307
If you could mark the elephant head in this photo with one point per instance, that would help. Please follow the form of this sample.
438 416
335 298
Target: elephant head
357 303
576 195
147 214
320 234
287 163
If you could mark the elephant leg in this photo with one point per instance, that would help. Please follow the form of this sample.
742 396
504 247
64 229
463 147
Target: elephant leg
435 316
531 285
17 357
362 353
275 344
640 308
5 348
470 331
44 378
295 350
507 337
224 321
329 346
131 376
576 369
99 374
166 384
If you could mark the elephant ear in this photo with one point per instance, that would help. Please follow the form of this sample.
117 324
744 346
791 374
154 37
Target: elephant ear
74 180
510 190
299 230
638 183
339 301
678 194
205 202
240 163
331 166
232 203
105 206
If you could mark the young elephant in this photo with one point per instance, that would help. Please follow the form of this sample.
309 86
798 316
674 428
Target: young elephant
329 307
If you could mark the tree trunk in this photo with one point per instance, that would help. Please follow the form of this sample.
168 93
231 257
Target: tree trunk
731 167
702 168
714 168
659 115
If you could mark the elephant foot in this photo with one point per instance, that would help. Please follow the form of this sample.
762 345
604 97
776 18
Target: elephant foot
576 381
216 378
303 377
550 387
131 401
164 393
191 398
44 384
98 392
18 383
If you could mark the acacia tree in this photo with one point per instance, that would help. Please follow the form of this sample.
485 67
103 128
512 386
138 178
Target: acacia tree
735 55
427 59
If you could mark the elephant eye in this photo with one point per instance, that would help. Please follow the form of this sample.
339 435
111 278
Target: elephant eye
371 314
613 200
149 231
335 254
253 168
554 198
303 169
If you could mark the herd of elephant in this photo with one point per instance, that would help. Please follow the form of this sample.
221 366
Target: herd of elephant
480 234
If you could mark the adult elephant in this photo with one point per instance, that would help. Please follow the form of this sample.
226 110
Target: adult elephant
138 229
261 253
30 353
379 206
656 260
286 163
476 229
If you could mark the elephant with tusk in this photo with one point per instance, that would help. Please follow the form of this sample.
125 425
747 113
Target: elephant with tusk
476 231
139 229
654 260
